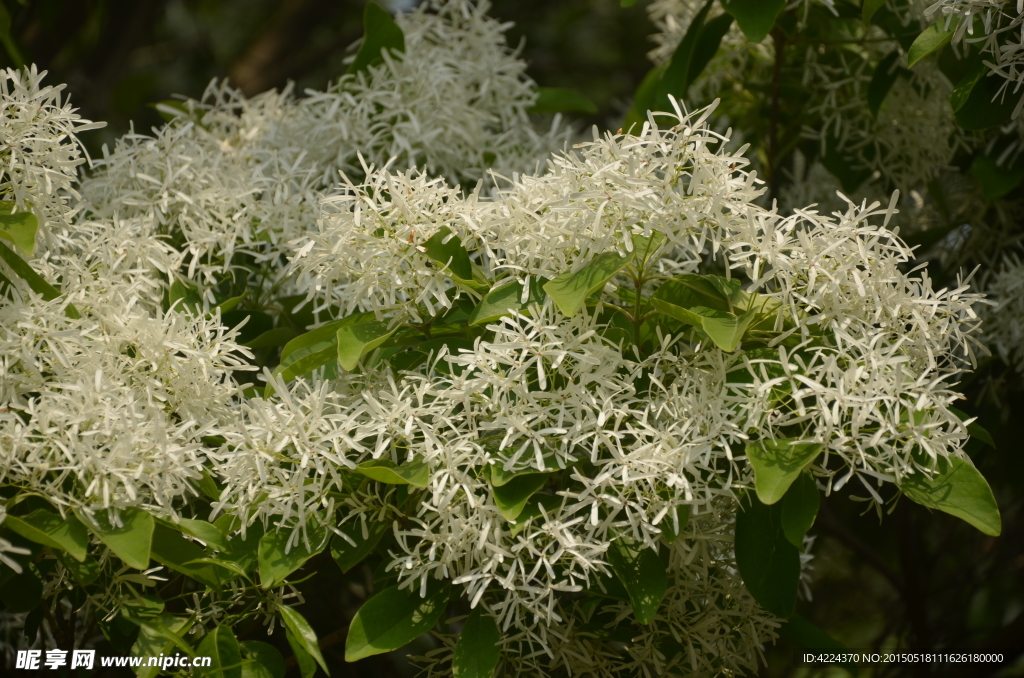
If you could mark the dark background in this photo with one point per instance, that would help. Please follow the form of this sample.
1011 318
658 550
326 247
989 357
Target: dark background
914 581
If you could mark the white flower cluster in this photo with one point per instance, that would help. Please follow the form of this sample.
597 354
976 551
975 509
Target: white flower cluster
234 177
871 350
39 155
1004 322
109 401
996 27
107 411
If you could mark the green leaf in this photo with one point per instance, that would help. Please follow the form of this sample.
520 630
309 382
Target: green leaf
144 607
277 561
34 280
172 550
50 529
206 484
803 634
279 336
132 541
800 508
20 229
245 552
164 627
328 332
882 80
355 341
996 181
777 463
511 496
643 574
307 665
416 473
725 329
569 291
347 555
221 646
676 78
263 660
965 85
229 304
667 526
303 634
228 565
202 530
478 649
870 7
755 17
708 42
184 298
768 563
393 618
380 32
548 502
627 3
507 299
446 248
562 100
303 361
21 592
930 39
154 640
710 291
85 572
959 490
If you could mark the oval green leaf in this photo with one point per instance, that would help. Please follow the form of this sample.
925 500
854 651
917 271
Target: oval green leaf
415 473
221 646
755 17
20 229
642 573
800 508
477 651
569 291
131 541
380 32
302 634
355 341
393 618
768 563
959 490
50 529
172 550
507 299
261 660
276 564
347 555
511 497
930 39
777 463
